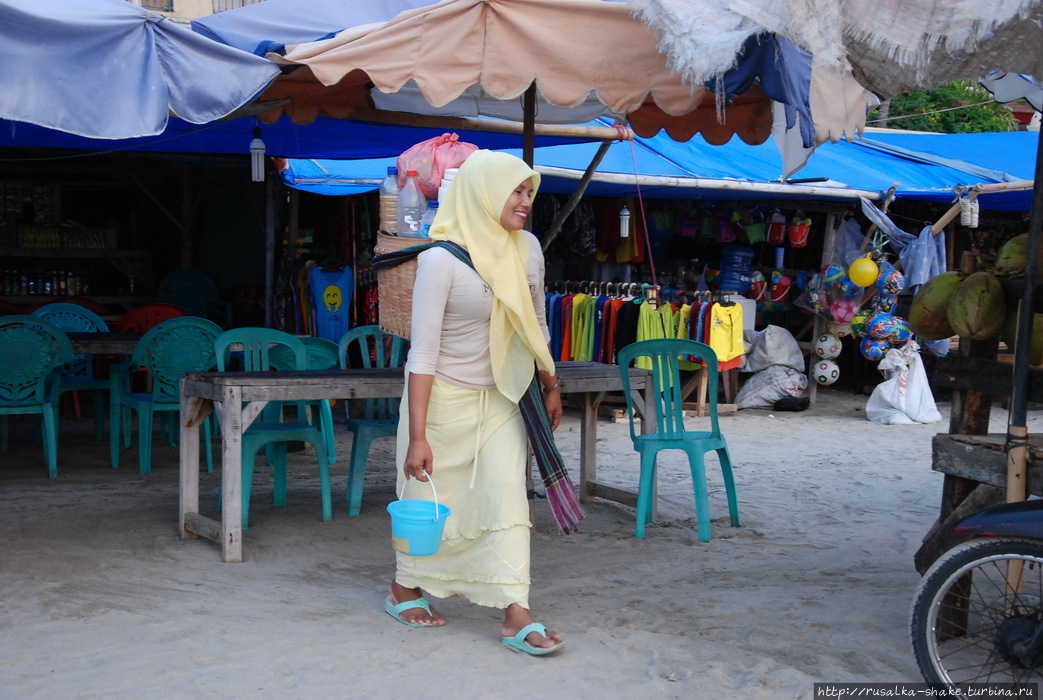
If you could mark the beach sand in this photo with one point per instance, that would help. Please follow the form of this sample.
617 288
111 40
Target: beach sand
100 598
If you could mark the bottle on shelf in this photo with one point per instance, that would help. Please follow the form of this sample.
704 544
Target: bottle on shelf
389 190
428 218
411 206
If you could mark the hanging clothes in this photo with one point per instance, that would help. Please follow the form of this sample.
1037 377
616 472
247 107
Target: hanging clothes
725 335
331 292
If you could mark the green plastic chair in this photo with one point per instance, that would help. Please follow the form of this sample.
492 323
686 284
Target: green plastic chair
32 354
167 351
73 318
670 430
375 348
197 294
322 354
269 429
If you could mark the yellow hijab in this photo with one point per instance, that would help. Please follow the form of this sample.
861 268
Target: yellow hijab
470 216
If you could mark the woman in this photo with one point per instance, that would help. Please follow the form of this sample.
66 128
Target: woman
477 336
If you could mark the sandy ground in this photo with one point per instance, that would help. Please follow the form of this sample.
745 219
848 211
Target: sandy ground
99 598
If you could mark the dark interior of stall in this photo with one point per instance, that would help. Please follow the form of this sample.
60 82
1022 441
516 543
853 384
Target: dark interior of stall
112 227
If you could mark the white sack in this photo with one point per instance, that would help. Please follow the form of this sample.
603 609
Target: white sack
905 396
769 385
772 346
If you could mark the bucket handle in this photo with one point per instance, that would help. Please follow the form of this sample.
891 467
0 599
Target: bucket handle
432 483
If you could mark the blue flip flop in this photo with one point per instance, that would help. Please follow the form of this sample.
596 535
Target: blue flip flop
518 643
396 611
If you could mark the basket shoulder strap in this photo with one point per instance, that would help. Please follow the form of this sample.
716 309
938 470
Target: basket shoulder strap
397 257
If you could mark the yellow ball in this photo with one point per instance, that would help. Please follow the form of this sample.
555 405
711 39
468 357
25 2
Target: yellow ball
863 272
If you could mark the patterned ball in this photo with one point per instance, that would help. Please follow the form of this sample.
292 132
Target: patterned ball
841 310
902 331
825 372
840 330
858 323
873 349
891 282
886 303
831 274
848 289
880 325
827 346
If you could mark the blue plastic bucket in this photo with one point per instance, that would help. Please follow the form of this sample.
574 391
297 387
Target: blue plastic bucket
416 526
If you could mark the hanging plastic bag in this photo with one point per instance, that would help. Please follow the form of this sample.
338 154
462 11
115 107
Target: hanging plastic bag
431 159
905 397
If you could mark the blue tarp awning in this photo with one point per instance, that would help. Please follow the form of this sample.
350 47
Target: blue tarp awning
323 138
925 166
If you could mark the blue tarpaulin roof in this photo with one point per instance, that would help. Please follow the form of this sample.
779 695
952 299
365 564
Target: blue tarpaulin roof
323 138
925 166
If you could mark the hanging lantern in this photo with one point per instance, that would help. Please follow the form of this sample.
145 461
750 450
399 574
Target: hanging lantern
624 222
257 156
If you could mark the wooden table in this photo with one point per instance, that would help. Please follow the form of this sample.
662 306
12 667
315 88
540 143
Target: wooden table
242 395
101 343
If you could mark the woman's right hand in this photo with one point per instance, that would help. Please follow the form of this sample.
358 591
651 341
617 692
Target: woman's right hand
419 460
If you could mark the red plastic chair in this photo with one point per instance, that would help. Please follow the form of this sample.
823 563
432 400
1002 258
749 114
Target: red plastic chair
145 317
7 308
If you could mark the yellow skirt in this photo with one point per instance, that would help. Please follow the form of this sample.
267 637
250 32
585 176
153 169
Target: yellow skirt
480 453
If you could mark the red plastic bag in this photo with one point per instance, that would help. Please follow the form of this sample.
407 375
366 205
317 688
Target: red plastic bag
431 159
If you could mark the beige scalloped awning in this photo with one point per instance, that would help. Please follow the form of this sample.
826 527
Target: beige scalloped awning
454 56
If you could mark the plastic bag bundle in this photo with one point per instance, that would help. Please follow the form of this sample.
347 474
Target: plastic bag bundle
431 159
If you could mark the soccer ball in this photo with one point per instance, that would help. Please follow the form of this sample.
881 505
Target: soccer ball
825 372
827 346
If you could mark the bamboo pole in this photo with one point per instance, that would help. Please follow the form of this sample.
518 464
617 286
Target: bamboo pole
578 131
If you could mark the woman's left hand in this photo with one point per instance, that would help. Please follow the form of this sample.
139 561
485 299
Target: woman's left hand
552 402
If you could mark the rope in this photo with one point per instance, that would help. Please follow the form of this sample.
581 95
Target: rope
644 221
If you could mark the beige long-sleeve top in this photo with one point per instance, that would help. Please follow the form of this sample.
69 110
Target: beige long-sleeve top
452 306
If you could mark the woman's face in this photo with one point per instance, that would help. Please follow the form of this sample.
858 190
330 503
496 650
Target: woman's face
516 210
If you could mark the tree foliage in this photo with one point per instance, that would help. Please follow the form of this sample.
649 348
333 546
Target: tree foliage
922 109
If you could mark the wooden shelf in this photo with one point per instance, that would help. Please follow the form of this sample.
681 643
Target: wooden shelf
72 253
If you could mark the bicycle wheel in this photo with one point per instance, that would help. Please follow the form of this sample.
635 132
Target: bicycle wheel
974 608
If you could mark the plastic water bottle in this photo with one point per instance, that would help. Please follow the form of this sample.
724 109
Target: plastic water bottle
447 177
389 201
411 206
428 218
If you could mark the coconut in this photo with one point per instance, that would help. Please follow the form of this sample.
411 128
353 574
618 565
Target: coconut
927 315
1010 330
978 307
1013 255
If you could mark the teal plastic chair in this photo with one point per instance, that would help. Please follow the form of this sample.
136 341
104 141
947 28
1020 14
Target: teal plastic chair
73 318
322 354
670 431
167 351
379 418
33 353
269 428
